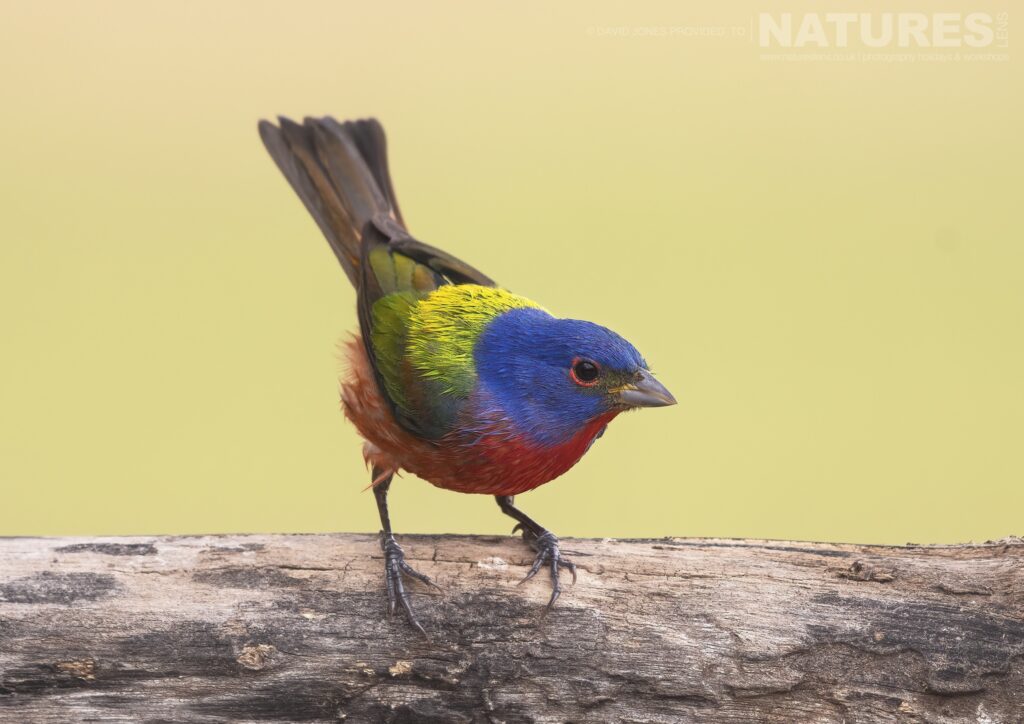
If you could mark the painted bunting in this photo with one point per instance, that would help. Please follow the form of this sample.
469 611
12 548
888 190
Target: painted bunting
452 378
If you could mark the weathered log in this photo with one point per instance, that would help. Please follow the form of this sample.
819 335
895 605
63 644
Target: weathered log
292 628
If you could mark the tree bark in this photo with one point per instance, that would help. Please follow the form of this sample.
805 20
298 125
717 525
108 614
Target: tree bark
276 628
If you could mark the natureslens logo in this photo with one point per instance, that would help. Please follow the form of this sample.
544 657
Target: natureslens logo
882 30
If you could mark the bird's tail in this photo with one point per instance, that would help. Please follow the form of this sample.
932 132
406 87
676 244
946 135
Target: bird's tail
340 171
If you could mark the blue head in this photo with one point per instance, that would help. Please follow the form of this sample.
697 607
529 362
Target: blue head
551 377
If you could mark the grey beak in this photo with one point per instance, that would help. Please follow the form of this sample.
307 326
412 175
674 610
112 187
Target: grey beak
645 392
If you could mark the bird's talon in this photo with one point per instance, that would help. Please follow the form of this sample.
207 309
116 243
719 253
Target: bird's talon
394 567
548 554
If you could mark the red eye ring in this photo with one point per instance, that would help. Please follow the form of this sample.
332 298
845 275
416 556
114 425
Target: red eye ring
585 372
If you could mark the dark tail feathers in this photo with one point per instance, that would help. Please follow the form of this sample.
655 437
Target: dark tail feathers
340 171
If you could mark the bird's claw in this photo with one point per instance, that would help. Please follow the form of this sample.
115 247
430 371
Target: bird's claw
394 568
548 553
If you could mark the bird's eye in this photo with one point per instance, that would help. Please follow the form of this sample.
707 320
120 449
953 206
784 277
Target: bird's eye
584 372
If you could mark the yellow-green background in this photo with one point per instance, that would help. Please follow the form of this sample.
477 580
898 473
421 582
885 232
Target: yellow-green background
824 261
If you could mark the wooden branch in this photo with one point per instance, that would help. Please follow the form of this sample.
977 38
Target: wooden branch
291 628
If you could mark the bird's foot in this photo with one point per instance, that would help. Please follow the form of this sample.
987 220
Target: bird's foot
548 554
394 568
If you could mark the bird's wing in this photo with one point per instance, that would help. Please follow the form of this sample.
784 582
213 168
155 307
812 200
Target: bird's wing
397 273
391 286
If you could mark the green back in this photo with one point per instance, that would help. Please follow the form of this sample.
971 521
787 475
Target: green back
422 331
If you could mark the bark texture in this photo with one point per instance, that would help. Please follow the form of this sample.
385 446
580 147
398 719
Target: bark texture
292 628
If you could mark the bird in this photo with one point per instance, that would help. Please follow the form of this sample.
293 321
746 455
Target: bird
451 377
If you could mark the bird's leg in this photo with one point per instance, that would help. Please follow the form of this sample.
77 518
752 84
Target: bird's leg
394 557
541 540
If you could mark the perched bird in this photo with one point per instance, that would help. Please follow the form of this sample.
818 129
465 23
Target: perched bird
452 378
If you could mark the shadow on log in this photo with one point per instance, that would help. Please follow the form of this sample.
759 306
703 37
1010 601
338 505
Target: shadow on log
291 628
